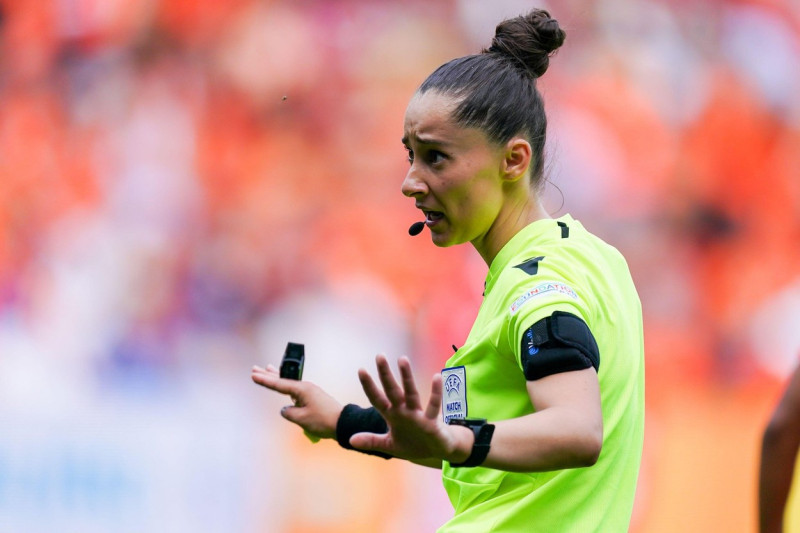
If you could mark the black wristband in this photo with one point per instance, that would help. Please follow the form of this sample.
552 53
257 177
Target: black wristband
355 419
483 438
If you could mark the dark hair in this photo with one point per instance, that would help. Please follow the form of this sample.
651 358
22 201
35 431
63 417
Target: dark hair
497 87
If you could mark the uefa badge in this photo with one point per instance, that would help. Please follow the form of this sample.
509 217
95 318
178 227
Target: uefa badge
454 400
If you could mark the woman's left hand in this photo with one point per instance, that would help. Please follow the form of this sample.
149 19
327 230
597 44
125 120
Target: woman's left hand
414 432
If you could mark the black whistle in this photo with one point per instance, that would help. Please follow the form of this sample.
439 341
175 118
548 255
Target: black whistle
292 363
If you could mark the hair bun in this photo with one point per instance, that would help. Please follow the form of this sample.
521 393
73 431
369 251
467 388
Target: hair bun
529 40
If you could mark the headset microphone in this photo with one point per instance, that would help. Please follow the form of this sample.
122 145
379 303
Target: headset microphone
416 228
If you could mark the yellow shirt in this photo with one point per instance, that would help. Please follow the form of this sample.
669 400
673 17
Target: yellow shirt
578 273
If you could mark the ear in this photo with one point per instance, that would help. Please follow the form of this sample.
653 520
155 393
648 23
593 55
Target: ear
517 159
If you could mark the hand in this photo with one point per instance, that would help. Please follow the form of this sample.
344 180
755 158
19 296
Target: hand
414 432
314 410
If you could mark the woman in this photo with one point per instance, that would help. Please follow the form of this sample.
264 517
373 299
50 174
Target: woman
530 431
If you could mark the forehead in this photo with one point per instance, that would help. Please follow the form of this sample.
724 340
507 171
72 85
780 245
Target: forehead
430 115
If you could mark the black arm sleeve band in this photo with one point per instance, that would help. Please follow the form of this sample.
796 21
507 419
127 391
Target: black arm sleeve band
355 419
558 343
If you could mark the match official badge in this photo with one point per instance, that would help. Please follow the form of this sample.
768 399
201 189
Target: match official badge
454 395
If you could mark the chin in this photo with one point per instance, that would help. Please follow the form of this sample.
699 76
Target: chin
443 240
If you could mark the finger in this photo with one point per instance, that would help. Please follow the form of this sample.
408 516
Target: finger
273 382
257 371
291 413
393 390
371 442
270 369
374 393
409 386
435 401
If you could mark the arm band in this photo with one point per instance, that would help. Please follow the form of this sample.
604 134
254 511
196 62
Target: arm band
558 343
355 419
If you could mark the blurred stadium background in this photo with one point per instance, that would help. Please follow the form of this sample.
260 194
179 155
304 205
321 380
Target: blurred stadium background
187 185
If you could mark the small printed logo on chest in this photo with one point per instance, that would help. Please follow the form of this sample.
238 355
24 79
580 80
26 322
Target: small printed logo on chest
454 402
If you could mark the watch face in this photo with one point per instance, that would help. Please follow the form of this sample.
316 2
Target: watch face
469 422
484 436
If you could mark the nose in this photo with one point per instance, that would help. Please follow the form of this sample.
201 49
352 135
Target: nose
413 185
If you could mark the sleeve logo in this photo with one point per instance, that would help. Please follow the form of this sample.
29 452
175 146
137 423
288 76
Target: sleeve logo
547 287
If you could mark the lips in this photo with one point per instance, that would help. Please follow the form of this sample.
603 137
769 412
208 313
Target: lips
433 217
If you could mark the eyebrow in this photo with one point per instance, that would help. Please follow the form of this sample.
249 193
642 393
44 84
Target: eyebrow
424 140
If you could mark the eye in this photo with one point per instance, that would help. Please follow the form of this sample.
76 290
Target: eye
410 155
435 156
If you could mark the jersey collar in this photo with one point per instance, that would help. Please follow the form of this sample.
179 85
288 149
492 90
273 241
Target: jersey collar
544 228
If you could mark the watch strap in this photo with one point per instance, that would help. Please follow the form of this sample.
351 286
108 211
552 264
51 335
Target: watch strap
483 432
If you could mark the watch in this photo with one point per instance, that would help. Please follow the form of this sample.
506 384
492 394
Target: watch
483 438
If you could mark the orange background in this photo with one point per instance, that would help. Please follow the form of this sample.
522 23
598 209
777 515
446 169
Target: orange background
185 186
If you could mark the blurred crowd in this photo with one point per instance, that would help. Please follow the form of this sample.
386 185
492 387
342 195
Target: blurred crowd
174 169
185 184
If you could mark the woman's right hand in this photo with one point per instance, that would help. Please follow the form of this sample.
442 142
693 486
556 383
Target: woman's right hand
416 429
313 409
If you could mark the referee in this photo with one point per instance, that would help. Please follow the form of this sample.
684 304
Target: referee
536 421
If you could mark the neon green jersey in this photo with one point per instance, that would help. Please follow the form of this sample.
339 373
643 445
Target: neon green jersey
551 265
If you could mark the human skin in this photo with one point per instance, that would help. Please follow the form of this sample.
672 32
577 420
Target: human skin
780 444
470 190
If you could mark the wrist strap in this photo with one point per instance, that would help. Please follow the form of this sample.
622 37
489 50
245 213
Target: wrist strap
483 438
355 419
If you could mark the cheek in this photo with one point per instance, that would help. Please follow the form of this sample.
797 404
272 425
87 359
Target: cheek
486 203
482 193
476 209
472 193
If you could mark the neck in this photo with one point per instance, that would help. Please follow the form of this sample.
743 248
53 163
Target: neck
510 221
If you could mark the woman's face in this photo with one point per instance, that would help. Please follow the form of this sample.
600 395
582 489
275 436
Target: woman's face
455 173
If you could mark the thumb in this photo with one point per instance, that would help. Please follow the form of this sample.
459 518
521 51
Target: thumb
374 442
291 413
